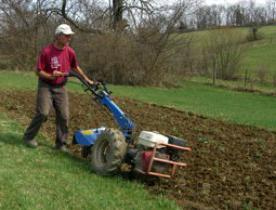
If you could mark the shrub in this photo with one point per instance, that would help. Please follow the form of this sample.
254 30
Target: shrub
261 73
254 34
134 59
222 53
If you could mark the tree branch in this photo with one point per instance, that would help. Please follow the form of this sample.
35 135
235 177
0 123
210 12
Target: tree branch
63 13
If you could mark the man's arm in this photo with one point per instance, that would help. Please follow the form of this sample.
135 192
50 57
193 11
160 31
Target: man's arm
81 72
45 75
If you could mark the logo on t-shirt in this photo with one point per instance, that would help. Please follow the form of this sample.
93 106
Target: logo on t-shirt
55 63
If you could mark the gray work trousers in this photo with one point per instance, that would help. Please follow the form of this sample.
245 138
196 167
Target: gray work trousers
49 96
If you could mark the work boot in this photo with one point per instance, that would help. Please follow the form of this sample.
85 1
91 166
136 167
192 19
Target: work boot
61 148
31 143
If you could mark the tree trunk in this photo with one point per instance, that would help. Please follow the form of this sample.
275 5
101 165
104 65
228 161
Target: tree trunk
117 13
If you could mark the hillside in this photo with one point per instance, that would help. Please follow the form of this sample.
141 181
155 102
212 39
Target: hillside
258 54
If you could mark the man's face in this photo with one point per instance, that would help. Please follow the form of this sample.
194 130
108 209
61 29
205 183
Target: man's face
63 39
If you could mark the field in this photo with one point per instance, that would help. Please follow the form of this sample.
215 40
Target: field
232 135
193 97
231 166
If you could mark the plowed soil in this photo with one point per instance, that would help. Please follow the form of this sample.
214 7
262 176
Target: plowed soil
231 166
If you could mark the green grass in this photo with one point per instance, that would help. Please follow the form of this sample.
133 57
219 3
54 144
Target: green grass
261 55
17 80
47 179
264 87
239 107
25 81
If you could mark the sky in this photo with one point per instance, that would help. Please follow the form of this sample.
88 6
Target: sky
230 1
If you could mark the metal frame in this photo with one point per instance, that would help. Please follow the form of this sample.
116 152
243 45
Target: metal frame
102 95
170 162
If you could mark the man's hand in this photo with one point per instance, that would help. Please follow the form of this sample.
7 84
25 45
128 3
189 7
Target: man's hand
58 74
90 82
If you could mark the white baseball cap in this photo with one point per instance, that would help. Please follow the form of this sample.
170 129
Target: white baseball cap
64 29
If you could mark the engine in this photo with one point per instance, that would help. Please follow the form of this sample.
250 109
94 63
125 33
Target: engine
156 154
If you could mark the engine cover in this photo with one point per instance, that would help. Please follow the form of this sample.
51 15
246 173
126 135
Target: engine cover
150 139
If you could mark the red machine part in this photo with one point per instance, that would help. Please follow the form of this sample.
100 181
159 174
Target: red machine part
146 159
149 157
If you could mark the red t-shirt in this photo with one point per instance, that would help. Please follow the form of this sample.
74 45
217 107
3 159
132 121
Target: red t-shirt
52 58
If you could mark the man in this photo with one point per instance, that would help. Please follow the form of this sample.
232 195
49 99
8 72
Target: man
54 63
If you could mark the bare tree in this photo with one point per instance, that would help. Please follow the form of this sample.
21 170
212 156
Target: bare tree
271 10
150 54
147 52
114 11
223 53
22 30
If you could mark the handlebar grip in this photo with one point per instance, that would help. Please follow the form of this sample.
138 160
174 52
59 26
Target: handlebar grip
75 74
98 85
